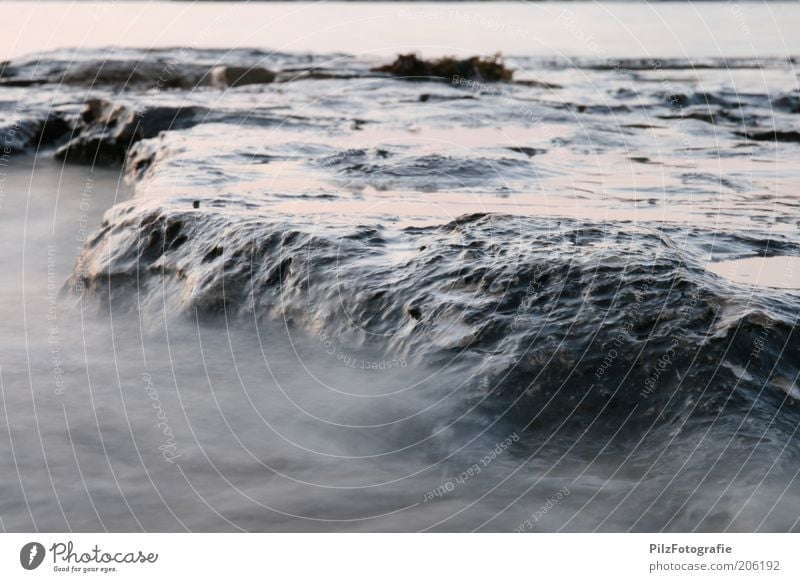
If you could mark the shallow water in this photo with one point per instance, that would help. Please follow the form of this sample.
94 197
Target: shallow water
776 272
342 301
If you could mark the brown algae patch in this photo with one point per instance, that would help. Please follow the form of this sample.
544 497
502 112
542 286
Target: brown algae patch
476 68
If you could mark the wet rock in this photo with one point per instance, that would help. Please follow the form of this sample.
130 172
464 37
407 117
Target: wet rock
33 133
537 84
20 82
789 102
159 74
414 312
53 128
10 77
705 116
518 307
106 131
140 158
425 97
528 151
774 135
317 73
224 76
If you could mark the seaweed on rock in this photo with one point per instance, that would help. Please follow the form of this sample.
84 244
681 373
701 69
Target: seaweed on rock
412 67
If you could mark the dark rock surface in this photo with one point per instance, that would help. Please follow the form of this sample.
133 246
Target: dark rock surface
106 130
33 133
240 76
